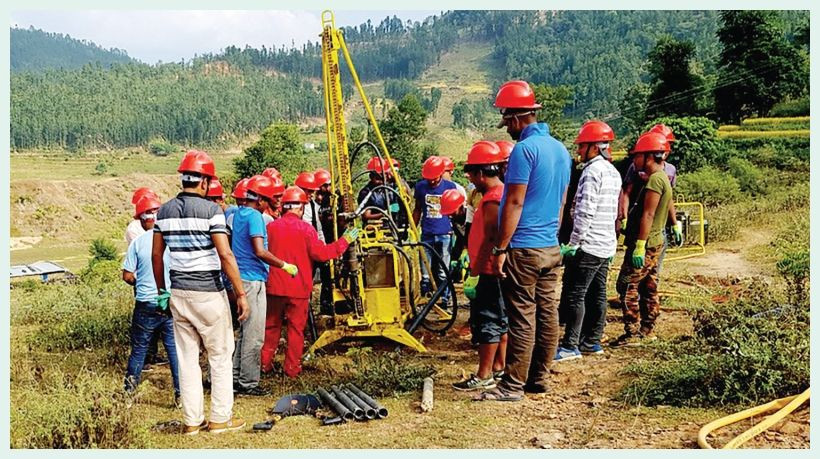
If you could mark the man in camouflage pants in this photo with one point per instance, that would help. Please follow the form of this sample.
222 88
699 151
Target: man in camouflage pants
638 280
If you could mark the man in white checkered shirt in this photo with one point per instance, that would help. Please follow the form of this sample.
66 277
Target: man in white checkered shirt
591 245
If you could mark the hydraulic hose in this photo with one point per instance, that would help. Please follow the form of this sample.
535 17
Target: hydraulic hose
784 406
419 319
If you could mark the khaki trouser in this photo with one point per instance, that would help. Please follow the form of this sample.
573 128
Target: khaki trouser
205 317
531 298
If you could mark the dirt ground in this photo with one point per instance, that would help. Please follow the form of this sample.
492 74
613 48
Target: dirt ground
579 411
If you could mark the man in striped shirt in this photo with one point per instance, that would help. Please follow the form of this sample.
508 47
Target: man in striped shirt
591 245
195 233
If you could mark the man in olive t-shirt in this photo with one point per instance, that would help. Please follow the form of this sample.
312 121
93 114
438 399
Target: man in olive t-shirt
644 242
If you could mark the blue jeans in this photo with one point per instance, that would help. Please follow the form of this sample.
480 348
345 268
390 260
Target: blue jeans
440 242
147 322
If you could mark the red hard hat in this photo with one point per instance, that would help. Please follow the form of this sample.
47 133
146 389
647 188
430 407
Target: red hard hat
432 168
197 162
321 176
651 142
215 189
307 181
145 204
485 152
272 172
449 165
595 131
262 186
506 148
516 94
140 192
376 164
278 186
665 130
294 194
451 200
240 188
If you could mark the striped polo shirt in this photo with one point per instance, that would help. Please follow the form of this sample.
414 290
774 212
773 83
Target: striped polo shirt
595 209
186 224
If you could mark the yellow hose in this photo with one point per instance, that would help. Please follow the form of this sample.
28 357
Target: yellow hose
784 406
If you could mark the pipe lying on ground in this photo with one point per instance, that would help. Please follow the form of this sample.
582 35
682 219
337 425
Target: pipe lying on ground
381 412
427 395
339 408
357 411
369 411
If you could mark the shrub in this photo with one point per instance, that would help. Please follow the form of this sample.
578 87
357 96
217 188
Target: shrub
385 373
697 144
101 168
749 177
792 246
162 147
101 250
791 108
86 410
709 186
750 350
782 153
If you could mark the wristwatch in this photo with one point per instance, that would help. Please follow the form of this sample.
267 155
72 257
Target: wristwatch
499 250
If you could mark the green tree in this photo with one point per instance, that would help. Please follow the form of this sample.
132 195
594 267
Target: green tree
758 66
696 144
102 250
675 89
631 109
403 130
280 146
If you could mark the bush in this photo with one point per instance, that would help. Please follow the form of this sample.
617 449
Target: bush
697 143
750 350
708 186
791 108
780 153
101 168
162 147
792 246
385 373
57 410
101 250
749 177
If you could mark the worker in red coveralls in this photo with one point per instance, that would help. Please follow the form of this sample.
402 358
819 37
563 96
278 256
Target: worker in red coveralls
289 297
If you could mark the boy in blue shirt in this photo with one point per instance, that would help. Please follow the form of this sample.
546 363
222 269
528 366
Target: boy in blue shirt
436 229
147 321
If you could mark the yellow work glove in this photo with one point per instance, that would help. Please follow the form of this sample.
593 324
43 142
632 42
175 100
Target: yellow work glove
639 254
290 269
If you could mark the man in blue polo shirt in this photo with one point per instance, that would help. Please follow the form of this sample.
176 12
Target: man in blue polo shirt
527 256
436 229
148 323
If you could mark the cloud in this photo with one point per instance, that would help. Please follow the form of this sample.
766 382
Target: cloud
169 36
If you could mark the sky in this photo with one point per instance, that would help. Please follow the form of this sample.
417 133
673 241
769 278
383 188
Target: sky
170 36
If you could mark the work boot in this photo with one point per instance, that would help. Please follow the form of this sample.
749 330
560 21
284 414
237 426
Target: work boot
194 430
627 339
219 427
533 388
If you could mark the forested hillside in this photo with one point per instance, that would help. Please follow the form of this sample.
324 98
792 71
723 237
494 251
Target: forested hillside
601 57
34 49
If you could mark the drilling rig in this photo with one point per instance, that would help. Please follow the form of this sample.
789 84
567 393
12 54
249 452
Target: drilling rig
377 282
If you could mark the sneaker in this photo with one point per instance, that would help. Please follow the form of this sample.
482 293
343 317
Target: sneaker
147 368
233 424
256 391
594 349
648 335
177 401
161 361
474 383
497 375
194 430
565 355
627 339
